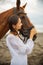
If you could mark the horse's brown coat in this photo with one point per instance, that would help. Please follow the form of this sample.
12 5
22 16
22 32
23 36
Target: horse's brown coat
4 27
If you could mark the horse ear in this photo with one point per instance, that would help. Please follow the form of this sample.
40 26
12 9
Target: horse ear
18 4
24 5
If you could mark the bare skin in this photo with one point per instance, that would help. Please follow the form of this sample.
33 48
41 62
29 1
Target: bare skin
32 33
18 26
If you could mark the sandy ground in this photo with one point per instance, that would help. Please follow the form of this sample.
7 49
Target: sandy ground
5 57
39 37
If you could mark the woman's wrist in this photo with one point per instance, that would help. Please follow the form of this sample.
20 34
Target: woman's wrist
31 36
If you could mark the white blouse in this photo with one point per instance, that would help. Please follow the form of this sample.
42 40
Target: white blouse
18 49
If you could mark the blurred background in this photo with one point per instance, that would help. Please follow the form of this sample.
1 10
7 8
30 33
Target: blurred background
34 10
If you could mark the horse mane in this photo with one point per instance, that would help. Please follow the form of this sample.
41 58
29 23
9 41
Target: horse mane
4 26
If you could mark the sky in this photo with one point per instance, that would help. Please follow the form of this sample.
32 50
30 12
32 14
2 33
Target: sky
34 10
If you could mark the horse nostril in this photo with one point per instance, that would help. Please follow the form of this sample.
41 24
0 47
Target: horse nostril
34 37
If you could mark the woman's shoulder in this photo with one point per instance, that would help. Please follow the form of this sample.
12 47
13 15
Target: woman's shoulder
9 36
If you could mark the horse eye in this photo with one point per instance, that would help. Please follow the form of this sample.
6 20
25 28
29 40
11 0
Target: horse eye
22 17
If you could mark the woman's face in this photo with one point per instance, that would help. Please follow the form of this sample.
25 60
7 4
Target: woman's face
18 25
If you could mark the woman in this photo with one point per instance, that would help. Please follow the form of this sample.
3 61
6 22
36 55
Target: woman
17 48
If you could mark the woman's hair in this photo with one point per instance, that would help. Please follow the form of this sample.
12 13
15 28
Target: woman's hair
12 20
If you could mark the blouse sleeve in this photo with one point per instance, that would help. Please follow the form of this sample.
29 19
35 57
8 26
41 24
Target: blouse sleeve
20 47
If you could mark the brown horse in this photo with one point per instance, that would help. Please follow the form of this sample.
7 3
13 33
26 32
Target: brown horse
27 25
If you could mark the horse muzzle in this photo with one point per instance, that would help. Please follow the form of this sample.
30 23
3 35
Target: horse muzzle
26 32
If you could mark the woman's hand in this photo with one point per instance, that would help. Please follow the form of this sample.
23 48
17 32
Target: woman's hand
32 33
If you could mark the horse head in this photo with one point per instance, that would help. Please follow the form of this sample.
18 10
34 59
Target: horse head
27 25
20 11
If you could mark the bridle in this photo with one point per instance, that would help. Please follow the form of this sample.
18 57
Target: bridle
26 31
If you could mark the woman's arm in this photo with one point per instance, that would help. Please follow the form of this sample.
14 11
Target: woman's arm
20 47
